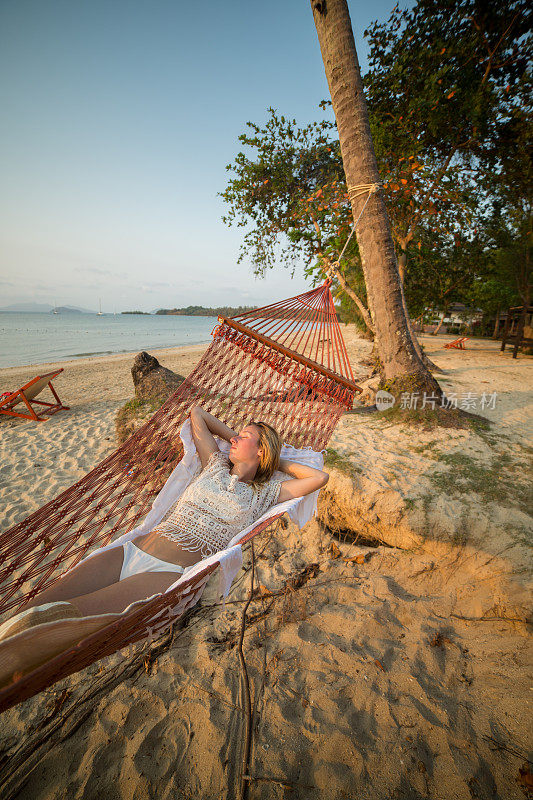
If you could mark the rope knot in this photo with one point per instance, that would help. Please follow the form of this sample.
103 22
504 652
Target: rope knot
363 188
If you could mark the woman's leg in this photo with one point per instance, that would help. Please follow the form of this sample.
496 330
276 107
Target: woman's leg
116 597
96 573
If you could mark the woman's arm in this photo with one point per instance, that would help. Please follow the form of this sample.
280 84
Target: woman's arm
306 480
204 425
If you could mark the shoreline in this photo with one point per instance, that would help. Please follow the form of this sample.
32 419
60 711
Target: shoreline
86 382
101 357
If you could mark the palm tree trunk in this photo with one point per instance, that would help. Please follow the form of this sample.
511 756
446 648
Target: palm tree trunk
402 366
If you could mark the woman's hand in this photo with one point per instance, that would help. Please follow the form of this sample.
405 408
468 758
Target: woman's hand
306 480
204 425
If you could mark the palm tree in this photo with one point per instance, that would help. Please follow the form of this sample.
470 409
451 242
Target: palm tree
402 366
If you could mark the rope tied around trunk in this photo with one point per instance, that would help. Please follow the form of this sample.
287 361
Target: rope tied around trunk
359 191
363 188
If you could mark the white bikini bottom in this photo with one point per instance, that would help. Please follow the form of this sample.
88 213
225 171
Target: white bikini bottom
136 561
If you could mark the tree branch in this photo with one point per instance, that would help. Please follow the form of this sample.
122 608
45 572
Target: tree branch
331 268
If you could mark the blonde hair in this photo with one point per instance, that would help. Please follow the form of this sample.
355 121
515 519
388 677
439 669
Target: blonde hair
270 443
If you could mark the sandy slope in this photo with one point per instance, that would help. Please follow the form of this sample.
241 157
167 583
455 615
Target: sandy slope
405 676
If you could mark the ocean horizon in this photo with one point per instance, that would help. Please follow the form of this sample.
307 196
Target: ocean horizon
37 338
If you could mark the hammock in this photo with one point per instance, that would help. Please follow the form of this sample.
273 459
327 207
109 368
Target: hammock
285 363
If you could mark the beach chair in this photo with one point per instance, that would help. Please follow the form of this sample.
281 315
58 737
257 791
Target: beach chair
27 394
459 344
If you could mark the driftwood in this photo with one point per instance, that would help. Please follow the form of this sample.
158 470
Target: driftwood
151 380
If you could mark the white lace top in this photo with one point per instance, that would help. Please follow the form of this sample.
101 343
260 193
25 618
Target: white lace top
214 507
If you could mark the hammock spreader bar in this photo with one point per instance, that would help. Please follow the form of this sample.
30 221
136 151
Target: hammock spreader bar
225 331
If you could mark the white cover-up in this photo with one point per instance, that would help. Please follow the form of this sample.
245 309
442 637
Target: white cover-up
300 510
214 507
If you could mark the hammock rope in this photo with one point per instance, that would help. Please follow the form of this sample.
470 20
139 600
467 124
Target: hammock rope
285 363
353 193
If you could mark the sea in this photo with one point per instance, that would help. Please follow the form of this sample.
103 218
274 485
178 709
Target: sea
38 338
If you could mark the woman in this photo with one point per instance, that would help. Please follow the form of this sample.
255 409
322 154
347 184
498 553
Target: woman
228 495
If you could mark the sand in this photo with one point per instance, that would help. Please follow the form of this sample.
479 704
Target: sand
403 674
39 460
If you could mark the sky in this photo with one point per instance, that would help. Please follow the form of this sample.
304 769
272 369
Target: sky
118 120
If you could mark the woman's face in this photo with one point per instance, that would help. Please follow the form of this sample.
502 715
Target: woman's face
245 446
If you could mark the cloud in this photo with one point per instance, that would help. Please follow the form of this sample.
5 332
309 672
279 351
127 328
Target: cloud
97 271
33 287
155 286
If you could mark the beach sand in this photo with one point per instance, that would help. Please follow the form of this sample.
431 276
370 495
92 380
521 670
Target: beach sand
401 675
39 460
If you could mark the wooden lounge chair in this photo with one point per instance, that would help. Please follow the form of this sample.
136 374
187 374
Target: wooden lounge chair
518 320
459 344
27 393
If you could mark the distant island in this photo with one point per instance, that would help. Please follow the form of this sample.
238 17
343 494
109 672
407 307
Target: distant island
201 311
146 313
66 310
43 308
